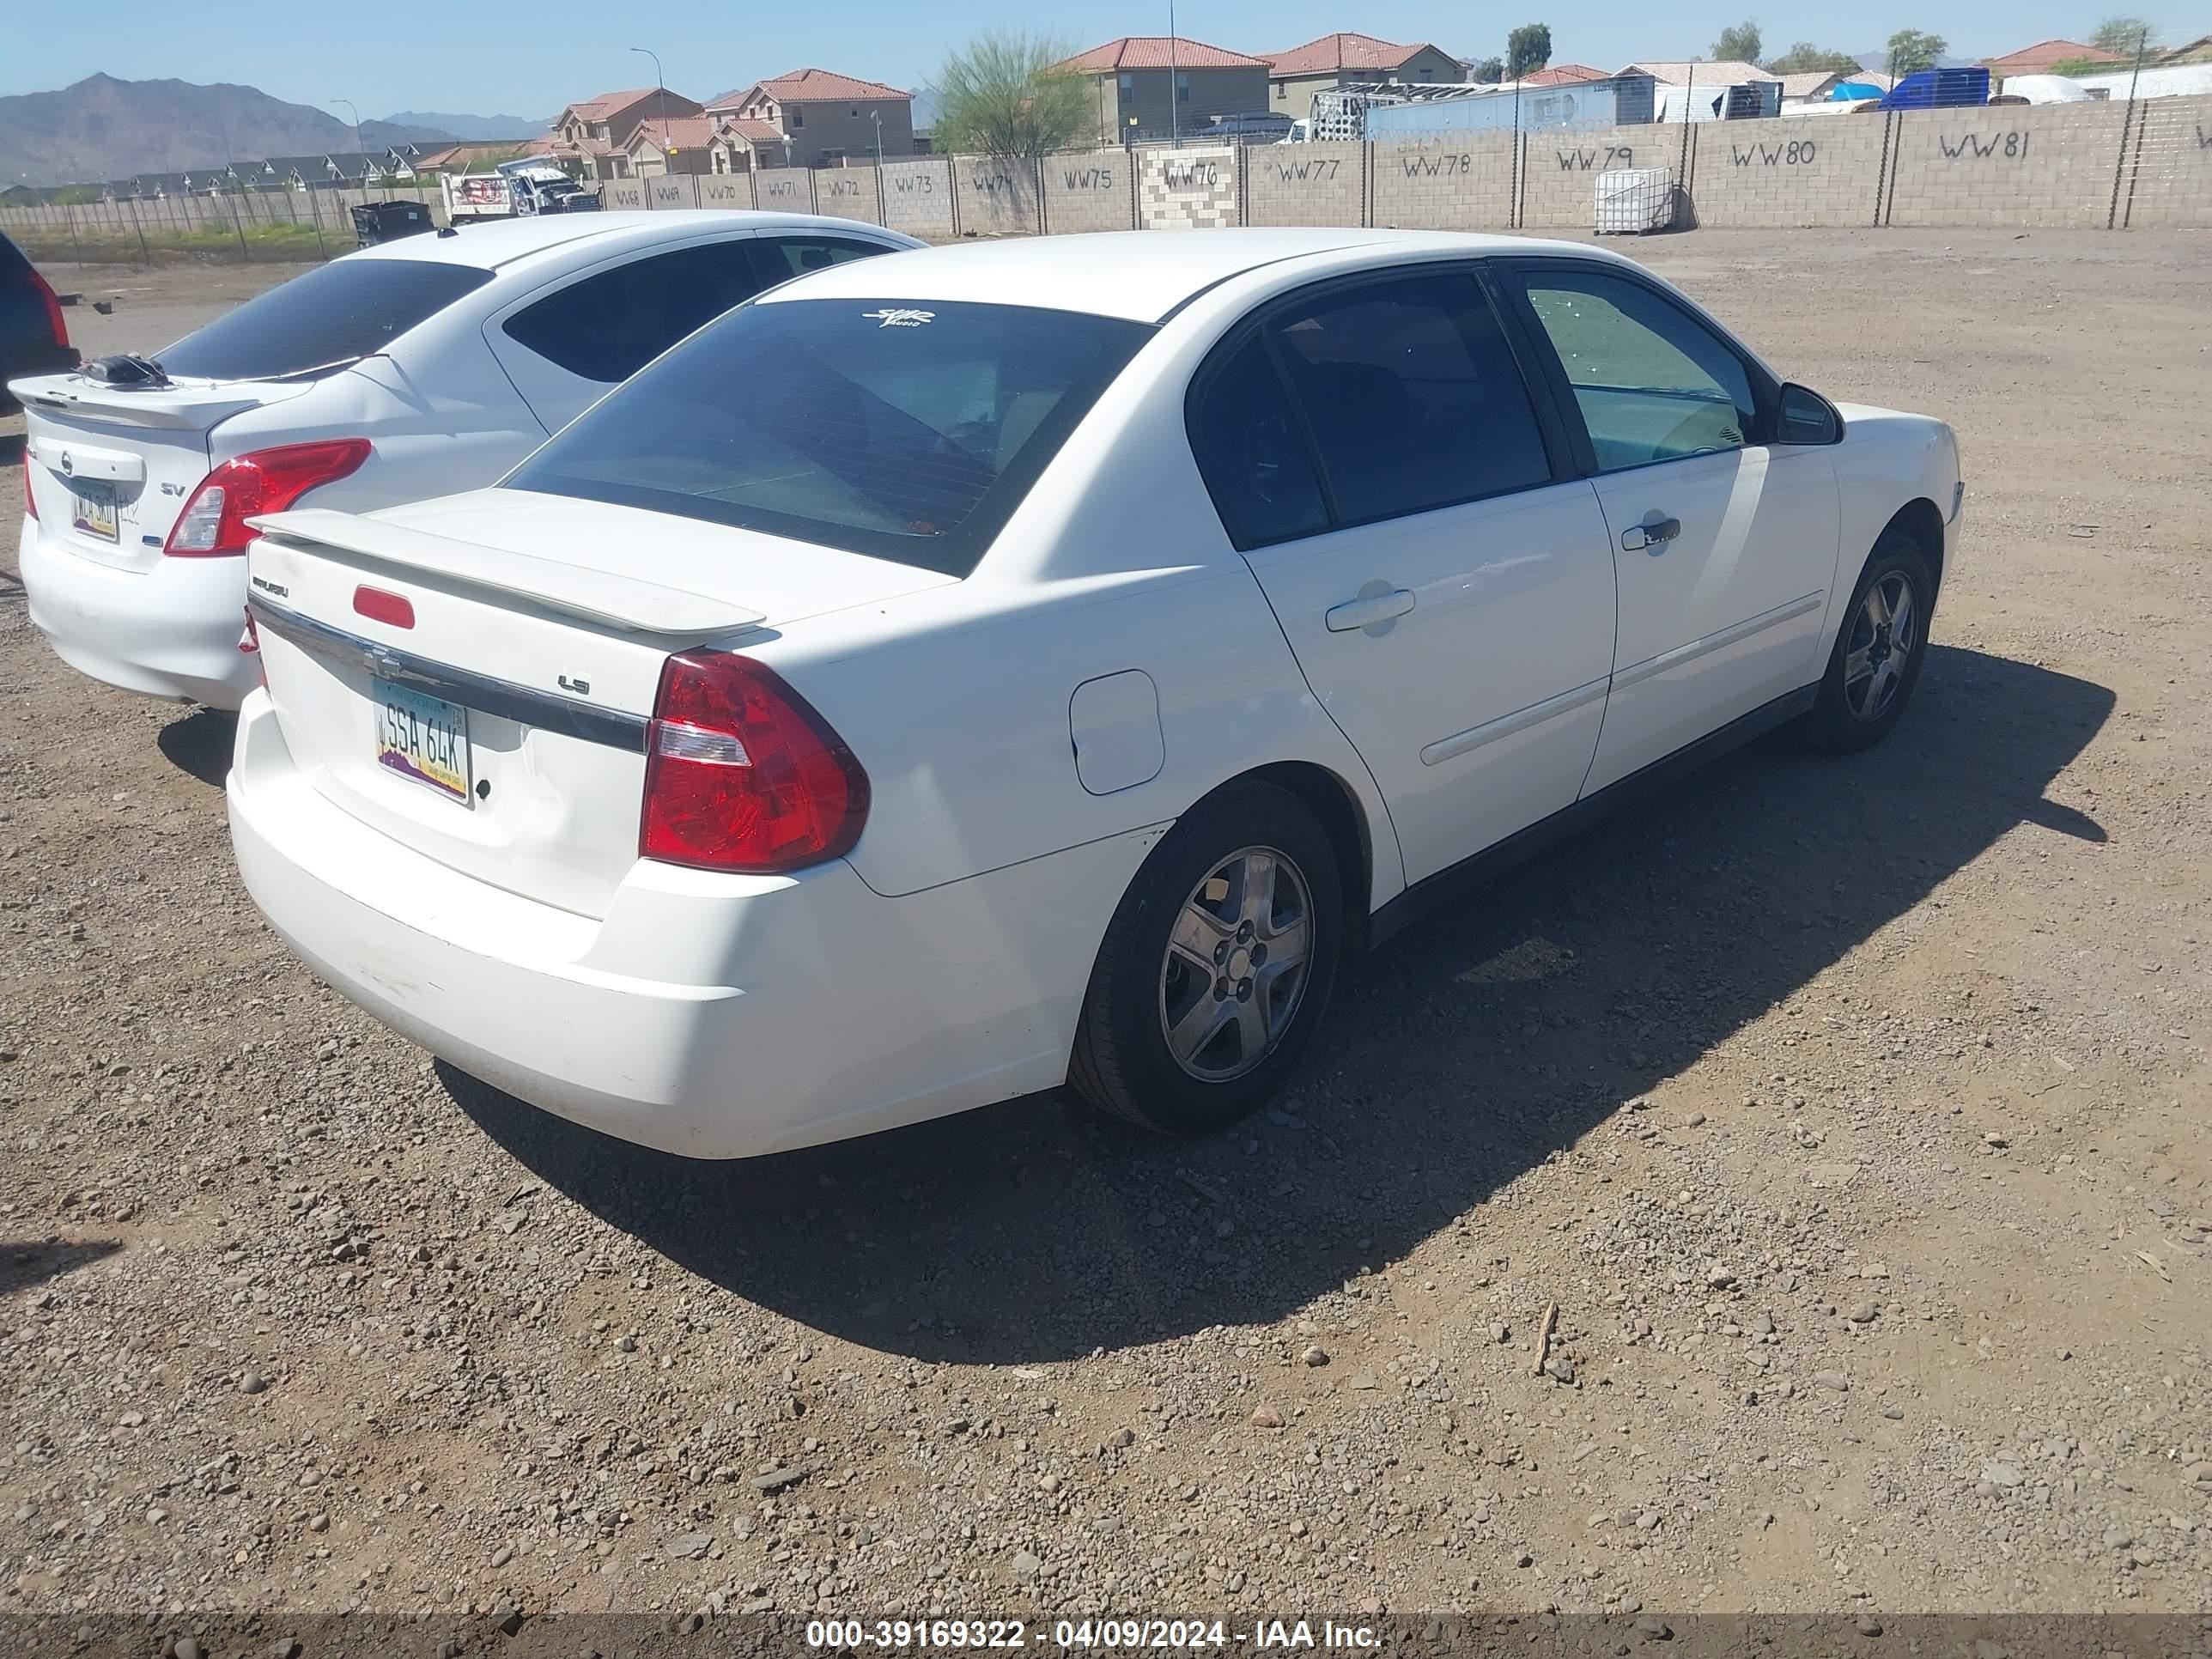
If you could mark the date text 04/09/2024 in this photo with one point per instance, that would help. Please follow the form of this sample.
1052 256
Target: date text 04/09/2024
1287 1635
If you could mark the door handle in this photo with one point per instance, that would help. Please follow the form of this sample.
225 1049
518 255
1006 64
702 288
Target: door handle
1379 606
1645 538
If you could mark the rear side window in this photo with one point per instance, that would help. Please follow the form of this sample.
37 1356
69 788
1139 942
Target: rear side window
1413 397
608 326
1257 466
344 312
786 257
903 430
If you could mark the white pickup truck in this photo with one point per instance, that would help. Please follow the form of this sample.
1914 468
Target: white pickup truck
514 190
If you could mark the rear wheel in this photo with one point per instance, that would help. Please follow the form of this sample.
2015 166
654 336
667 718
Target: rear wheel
1216 967
1879 650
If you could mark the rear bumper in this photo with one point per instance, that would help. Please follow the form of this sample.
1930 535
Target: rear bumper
171 631
709 1016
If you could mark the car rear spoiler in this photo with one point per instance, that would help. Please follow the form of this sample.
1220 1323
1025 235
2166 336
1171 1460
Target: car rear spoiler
625 603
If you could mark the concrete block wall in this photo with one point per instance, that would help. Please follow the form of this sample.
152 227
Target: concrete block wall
918 197
996 196
1092 191
2148 166
1305 184
848 193
1463 181
2168 174
1780 174
1186 189
2050 166
725 190
1559 170
784 189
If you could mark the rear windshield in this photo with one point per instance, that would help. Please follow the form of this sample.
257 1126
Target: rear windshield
905 431
346 310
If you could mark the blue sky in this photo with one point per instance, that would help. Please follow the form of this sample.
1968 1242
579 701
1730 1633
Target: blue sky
529 58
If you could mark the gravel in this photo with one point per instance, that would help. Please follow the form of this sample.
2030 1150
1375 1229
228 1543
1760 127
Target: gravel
1715 1079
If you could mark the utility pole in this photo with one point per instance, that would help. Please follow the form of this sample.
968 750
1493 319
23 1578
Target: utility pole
1175 86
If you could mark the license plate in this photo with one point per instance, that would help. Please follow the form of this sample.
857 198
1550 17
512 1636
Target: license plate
425 738
95 511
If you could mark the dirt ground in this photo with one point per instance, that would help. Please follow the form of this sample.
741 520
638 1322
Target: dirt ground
1852 1112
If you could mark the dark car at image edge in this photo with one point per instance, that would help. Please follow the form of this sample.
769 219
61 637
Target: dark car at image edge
33 338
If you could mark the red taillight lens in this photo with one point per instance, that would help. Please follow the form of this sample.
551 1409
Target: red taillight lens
742 774
212 523
53 308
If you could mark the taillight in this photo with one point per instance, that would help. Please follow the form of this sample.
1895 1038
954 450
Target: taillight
742 774
53 308
212 523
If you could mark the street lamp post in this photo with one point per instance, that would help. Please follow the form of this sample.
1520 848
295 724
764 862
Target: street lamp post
660 82
877 116
360 149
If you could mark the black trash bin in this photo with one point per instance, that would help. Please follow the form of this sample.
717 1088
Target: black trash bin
387 221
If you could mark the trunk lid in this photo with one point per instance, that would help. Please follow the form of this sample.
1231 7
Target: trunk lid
523 668
112 468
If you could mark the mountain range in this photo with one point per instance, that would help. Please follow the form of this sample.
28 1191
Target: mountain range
102 128
469 126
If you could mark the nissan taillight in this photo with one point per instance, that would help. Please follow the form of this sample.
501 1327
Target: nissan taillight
212 523
741 773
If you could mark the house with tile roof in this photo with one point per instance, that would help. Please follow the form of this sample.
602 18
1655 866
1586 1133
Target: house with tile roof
593 136
1712 72
1147 87
1563 75
1347 59
2043 55
814 118
683 145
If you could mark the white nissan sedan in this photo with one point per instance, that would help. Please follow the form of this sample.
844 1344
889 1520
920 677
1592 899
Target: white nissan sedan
415 368
1032 663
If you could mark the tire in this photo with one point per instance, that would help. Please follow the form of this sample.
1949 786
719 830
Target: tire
1875 665
1198 899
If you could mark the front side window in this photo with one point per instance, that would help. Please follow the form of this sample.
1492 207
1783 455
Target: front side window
1652 383
907 430
612 324
1413 397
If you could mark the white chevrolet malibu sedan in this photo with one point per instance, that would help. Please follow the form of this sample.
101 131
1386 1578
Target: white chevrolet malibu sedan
950 677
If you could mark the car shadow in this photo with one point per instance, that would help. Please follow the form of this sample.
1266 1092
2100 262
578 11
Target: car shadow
199 744
34 1262
1486 1039
12 444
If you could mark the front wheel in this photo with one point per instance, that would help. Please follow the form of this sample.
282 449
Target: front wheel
1879 651
1216 967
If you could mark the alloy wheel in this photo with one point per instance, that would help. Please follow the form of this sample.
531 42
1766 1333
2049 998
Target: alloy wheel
1235 969
1883 635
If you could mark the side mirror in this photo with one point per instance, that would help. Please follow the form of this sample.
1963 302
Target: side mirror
1806 417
